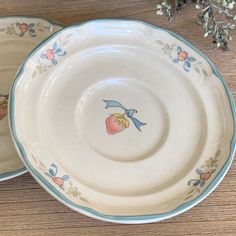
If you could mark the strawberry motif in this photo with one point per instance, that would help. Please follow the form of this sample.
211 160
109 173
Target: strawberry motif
116 123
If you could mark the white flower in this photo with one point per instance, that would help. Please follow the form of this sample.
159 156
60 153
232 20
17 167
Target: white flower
231 5
160 13
159 9
197 7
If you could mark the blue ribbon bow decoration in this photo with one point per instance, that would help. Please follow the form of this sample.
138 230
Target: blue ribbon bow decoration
128 112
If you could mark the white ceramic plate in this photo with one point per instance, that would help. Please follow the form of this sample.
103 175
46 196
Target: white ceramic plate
18 36
123 121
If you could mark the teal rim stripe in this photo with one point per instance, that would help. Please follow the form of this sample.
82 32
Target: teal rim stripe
93 213
12 174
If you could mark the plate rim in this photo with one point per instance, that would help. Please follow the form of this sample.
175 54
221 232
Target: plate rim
12 174
138 219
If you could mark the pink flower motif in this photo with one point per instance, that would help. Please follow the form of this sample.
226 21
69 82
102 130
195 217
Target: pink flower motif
50 55
185 58
24 27
182 55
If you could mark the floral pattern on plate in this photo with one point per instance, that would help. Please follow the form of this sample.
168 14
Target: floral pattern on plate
64 182
22 28
182 56
52 173
204 174
51 53
49 58
179 55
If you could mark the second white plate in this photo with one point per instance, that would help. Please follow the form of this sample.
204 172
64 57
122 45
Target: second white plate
18 36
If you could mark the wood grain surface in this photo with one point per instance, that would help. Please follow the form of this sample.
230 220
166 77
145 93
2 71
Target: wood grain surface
26 209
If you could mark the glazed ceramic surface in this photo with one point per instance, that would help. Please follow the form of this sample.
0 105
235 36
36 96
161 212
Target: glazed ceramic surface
123 121
18 36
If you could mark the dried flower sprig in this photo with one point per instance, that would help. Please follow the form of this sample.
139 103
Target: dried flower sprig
211 10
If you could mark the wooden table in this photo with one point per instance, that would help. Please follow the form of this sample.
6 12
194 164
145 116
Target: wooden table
26 209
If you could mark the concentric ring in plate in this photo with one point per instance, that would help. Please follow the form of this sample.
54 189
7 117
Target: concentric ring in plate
18 36
123 121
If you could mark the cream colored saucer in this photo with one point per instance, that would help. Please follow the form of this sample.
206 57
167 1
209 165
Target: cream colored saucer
123 121
18 36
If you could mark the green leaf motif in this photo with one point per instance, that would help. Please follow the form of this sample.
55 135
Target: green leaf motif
31 25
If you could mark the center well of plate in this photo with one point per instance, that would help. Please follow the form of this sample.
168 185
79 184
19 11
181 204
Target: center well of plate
122 120
121 123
